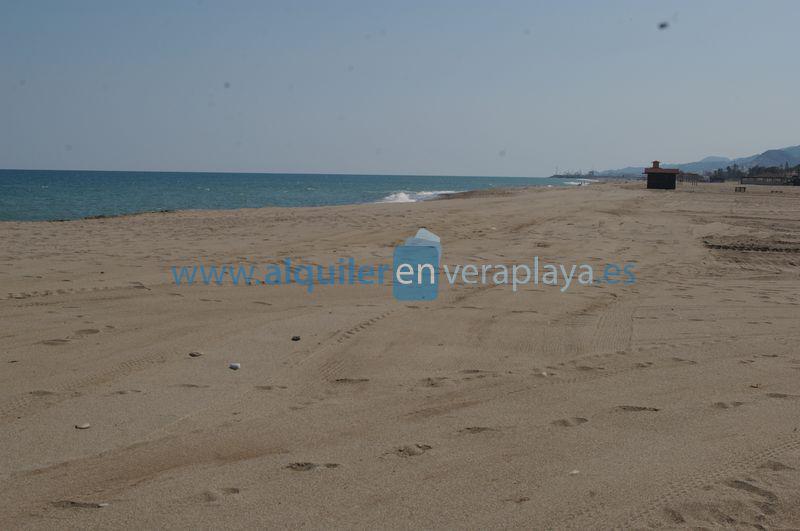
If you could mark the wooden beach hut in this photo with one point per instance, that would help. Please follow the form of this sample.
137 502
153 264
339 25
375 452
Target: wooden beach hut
661 178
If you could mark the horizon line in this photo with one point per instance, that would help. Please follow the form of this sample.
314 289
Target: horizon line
289 173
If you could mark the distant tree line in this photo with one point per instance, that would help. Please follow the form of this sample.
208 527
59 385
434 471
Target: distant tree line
734 172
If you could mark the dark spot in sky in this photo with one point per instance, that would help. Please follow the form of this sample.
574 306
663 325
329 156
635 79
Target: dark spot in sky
501 153
527 31
350 68
664 25
22 82
68 147
226 85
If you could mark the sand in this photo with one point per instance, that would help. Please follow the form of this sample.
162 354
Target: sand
671 402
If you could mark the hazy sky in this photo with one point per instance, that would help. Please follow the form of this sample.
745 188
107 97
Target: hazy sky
419 87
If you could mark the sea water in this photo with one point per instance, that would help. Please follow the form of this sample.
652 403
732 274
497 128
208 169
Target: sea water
28 195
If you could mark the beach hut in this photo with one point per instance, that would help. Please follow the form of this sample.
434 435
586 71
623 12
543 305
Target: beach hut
661 178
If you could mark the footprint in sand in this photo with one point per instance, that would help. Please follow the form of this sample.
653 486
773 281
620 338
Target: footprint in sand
305 466
476 373
476 429
86 332
41 393
636 408
781 395
727 405
54 341
215 495
775 466
350 380
752 489
570 423
412 450
435 381
70 504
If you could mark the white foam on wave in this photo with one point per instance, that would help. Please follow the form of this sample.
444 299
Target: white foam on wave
581 182
413 197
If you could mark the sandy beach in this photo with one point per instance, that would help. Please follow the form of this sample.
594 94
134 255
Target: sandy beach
670 402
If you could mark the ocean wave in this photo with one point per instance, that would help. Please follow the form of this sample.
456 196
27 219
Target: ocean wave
413 197
581 182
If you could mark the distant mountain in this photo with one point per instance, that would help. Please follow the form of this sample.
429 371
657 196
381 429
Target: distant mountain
771 157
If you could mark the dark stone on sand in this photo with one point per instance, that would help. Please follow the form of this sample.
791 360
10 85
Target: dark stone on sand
295 338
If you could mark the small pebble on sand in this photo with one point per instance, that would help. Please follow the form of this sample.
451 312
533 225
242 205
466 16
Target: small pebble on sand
574 473
235 366
195 354
295 338
84 426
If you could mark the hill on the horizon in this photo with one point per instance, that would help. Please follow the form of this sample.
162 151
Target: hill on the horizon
771 157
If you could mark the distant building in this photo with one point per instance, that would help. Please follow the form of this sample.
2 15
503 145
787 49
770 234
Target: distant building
661 178
774 179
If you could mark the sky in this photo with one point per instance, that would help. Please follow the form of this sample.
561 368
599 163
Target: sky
503 88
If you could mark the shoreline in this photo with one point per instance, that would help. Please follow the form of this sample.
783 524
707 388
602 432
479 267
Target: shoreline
484 192
65 196
444 196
